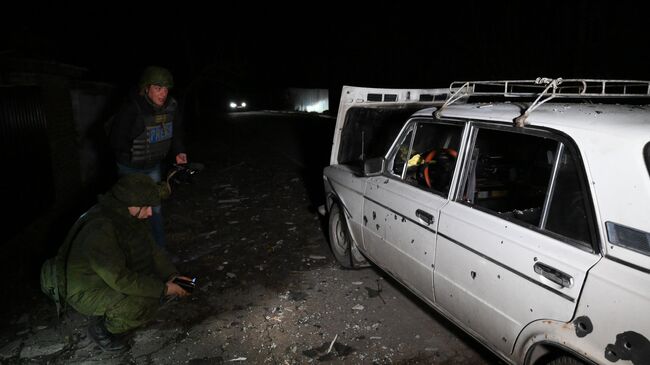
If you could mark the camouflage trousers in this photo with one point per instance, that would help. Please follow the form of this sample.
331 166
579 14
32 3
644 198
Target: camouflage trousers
121 312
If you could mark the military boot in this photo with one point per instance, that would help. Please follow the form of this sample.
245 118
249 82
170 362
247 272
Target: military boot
106 340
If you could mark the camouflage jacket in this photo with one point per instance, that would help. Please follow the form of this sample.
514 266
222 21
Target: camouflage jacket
115 250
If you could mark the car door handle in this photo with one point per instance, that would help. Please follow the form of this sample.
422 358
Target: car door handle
558 277
426 217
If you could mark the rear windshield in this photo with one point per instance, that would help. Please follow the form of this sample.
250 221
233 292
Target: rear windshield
369 132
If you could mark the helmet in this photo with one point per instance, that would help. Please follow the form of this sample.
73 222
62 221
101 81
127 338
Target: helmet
155 75
137 190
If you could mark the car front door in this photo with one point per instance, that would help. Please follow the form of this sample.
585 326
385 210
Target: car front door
402 206
515 244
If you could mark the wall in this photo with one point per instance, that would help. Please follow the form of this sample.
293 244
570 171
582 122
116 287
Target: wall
52 163
308 100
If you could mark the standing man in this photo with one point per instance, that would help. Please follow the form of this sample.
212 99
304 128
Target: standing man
115 271
145 130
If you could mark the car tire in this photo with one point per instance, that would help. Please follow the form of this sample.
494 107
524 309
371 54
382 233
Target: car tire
339 237
565 360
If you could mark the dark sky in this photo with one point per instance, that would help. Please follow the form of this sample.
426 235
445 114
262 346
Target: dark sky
328 44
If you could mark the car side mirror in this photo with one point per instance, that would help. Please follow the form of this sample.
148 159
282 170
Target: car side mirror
373 166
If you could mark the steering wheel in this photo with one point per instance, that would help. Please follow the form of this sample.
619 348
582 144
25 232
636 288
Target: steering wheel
450 152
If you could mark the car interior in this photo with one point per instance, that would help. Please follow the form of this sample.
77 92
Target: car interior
502 177
433 156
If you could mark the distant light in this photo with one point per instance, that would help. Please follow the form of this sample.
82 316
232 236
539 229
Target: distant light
233 105
318 107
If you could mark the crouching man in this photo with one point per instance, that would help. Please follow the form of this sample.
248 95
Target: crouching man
115 271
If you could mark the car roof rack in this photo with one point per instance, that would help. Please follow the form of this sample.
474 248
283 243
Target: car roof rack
545 89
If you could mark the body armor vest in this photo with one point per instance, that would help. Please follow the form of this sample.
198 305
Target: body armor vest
153 144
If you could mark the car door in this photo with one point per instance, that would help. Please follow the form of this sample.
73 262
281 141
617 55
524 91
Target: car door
515 244
401 207
368 121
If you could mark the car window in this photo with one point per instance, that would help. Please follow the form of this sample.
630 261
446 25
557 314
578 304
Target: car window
402 155
568 210
432 156
369 133
510 175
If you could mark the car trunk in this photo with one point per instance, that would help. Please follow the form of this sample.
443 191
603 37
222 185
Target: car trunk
369 120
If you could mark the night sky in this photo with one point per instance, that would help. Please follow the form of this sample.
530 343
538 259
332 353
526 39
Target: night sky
328 45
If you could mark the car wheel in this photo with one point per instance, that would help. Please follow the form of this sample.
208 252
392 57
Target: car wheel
565 360
339 237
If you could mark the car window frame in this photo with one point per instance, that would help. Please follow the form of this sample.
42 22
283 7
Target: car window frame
409 126
474 125
394 148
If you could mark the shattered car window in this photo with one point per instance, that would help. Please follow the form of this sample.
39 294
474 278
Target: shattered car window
369 133
402 156
510 175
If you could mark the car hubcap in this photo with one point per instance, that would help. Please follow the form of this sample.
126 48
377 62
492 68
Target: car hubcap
341 241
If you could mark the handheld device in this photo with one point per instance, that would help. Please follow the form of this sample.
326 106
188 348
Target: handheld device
185 284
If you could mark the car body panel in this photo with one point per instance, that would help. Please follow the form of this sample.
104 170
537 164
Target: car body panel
600 329
400 241
485 274
347 189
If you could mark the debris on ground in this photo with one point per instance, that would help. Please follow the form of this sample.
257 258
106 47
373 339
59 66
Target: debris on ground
269 289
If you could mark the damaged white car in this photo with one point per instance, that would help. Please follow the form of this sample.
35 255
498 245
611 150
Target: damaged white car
517 209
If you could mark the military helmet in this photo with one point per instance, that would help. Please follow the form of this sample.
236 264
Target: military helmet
155 75
137 190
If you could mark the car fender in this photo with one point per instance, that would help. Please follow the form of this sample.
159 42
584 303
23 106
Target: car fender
539 336
345 187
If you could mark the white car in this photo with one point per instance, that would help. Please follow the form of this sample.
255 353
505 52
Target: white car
520 210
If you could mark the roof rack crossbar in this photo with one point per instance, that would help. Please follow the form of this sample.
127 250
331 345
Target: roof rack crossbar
544 89
575 88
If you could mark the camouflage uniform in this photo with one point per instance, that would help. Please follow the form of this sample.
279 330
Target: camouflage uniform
115 269
142 135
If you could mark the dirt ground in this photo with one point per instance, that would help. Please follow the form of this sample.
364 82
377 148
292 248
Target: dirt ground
269 290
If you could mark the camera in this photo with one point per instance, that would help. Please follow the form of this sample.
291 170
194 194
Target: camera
187 285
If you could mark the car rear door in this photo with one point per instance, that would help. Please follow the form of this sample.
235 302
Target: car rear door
515 244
